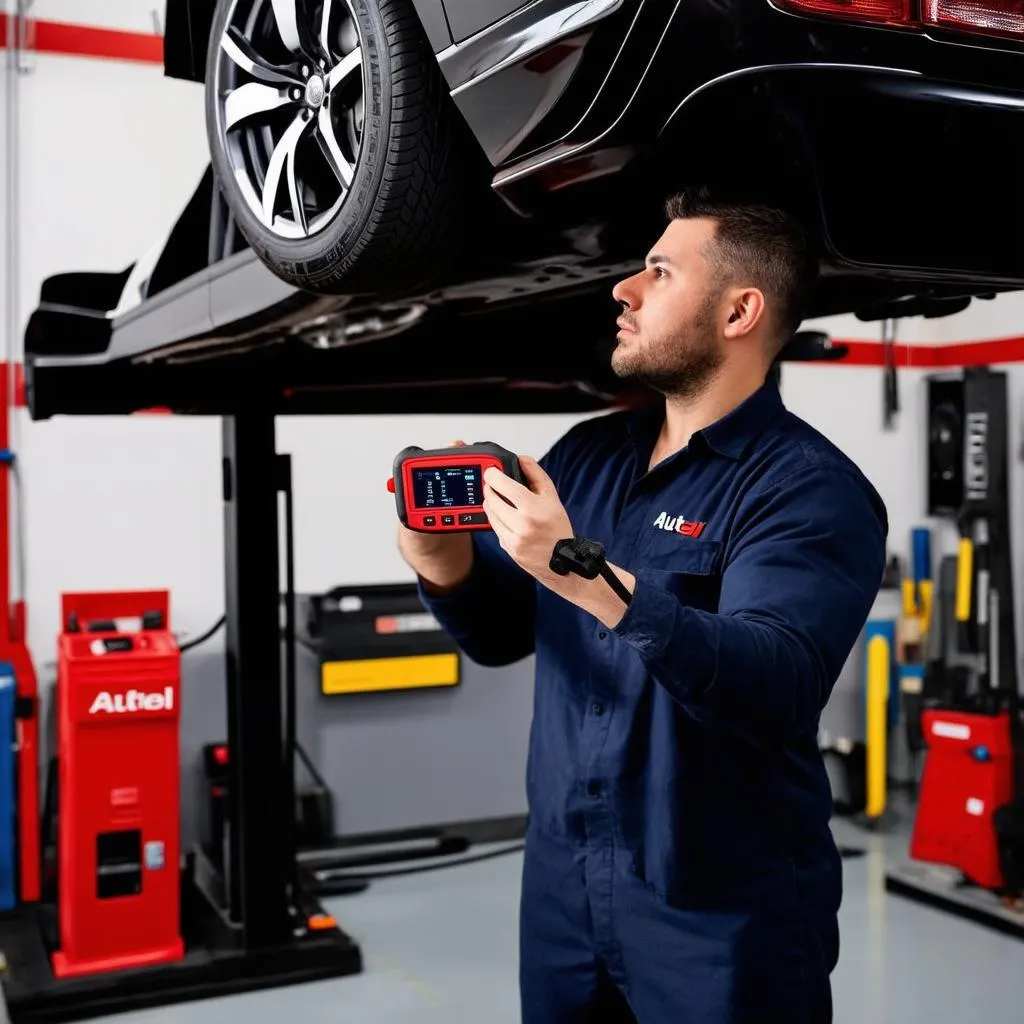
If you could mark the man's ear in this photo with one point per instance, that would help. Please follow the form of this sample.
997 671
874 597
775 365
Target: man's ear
746 310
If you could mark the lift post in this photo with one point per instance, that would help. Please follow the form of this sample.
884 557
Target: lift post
254 927
259 862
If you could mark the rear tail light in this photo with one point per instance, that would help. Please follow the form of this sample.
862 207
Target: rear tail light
879 12
994 17
989 17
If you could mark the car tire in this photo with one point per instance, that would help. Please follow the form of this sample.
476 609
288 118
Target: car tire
412 171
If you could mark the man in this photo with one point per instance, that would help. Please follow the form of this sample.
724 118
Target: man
679 867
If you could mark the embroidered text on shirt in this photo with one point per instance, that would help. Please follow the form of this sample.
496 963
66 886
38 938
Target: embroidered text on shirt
677 524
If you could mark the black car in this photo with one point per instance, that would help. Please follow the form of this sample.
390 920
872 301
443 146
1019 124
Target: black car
383 169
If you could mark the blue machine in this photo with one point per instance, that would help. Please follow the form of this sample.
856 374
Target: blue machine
8 782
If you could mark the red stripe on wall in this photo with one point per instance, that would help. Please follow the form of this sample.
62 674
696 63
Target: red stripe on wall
86 40
932 357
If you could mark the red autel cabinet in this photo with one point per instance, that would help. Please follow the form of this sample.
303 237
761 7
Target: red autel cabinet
118 699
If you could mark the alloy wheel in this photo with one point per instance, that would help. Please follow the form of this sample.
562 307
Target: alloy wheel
290 100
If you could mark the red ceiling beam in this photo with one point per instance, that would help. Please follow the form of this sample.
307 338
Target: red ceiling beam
954 355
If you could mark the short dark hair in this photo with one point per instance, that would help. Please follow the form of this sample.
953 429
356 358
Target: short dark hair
763 244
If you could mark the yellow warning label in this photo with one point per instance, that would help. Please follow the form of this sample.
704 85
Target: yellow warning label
406 673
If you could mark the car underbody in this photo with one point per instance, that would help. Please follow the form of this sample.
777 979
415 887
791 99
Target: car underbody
898 145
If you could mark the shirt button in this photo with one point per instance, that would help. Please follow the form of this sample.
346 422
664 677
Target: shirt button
597 707
602 635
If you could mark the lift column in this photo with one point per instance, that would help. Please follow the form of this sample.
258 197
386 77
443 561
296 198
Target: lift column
259 860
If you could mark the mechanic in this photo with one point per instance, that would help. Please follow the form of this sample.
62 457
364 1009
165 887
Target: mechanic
679 867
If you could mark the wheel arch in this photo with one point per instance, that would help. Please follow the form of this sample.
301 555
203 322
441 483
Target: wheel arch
865 156
734 135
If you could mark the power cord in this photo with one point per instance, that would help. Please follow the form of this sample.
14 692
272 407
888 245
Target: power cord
203 637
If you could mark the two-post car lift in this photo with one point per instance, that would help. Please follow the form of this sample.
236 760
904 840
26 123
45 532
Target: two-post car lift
252 926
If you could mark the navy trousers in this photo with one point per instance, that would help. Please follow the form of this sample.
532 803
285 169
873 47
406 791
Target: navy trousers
597 946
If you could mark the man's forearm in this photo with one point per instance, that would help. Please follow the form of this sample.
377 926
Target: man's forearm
597 597
442 580
764 677
442 564
483 603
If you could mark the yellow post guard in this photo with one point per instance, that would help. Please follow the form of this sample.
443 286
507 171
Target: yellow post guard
879 660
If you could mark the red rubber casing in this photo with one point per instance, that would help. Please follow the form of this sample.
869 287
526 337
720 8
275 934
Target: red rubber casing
441 490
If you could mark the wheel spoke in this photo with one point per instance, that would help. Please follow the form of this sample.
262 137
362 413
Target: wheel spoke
298 210
349 63
325 23
332 151
283 152
251 99
239 50
287 18
312 87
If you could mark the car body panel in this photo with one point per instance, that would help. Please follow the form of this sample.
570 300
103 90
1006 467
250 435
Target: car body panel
183 311
435 23
186 37
922 181
467 17
506 79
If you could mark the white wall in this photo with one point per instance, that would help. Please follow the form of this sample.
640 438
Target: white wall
109 152
129 15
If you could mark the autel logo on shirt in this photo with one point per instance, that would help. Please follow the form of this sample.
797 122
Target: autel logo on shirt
677 524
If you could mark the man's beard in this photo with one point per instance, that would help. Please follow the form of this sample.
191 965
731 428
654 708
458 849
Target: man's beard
680 366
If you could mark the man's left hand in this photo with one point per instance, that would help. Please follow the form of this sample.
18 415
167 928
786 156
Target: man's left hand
528 520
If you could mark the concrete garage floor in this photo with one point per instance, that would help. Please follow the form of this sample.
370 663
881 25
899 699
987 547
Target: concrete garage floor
441 947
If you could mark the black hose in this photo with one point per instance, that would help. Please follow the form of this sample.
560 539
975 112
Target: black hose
374 876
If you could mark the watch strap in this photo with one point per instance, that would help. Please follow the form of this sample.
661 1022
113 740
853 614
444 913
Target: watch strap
586 558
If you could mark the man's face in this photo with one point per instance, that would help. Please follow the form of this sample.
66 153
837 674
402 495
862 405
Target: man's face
669 337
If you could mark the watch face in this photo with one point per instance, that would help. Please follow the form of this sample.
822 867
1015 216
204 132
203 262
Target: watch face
562 557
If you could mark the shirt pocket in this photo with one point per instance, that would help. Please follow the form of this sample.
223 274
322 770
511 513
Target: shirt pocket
690 569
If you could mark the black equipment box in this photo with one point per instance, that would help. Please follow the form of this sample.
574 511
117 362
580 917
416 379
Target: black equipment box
376 637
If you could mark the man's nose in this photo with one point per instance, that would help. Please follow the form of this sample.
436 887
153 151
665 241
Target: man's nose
626 293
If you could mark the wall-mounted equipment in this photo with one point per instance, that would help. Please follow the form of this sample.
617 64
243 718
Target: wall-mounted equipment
377 637
970 813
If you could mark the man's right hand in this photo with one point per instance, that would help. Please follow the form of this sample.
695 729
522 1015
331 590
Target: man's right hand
442 561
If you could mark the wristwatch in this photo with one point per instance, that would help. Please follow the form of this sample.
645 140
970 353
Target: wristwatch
586 558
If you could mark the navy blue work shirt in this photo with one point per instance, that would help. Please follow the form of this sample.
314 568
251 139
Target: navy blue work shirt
688 734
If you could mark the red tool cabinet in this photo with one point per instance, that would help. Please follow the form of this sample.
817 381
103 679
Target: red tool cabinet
118 700
968 774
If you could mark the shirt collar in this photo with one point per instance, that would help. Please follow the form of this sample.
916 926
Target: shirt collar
729 436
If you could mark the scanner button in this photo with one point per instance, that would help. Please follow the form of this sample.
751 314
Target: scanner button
429 521
448 520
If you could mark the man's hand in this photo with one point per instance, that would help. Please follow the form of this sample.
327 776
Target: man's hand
442 561
528 522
